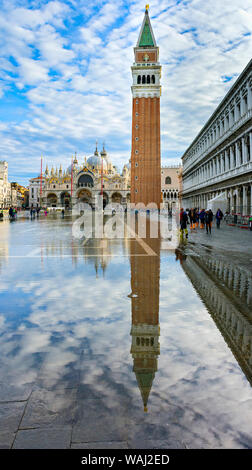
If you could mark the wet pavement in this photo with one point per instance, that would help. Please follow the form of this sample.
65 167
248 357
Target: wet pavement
124 343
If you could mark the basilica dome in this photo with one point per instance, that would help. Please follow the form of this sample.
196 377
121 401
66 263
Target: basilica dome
96 161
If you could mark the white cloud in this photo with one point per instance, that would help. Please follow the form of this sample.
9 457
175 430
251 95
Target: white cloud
76 78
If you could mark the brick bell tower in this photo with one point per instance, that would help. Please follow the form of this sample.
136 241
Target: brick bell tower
146 91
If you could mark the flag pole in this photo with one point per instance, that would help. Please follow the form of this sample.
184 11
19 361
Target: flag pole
72 182
102 177
41 171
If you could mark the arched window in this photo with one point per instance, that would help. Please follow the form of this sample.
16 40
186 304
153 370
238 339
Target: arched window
148 78
85 180
143 79
168 180
153 79
138 79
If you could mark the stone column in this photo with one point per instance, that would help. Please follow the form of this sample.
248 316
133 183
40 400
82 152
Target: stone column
231 199
226 160
242 106
243 149
249 86
250 145
221 164
244 200
238 153
239 201
250 199
231 157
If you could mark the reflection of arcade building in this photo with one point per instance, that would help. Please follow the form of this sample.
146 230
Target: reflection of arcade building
226 290
85 181
145 329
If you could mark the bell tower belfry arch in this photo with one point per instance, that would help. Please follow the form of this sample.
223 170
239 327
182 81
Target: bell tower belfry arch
146 92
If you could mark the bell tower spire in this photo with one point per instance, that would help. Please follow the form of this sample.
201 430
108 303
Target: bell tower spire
146 92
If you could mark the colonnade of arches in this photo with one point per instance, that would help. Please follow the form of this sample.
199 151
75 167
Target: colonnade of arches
143 79
169 195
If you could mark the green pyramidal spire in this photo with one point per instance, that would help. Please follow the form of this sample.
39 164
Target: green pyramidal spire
146 37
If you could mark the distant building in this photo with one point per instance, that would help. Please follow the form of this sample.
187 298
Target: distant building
170 185
19 195
82 182
34 191
218 163
5 186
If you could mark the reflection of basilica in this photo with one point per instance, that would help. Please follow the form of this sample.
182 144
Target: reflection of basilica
226 290
145 329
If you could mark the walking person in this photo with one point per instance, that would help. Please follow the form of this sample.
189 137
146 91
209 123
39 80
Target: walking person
197 217
202 218
218 216
190 214
250 223
183 223
211 217
208 222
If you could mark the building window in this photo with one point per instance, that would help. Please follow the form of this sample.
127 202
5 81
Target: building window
136 138
139 79
136 126
168 180
136 114
238 110
136 152
245 104
136 190
136 101
136 177
136 164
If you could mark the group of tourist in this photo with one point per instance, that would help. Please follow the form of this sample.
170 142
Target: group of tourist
12 213
198 218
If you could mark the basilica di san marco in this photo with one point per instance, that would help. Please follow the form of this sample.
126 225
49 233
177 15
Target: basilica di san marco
82 181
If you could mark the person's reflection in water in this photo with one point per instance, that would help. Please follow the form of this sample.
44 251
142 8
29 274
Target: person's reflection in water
145 330
180 253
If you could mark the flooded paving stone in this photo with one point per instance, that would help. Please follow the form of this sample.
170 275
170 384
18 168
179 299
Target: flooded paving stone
124 341
10 416
50 408
14 393
101 445
6 439
46 438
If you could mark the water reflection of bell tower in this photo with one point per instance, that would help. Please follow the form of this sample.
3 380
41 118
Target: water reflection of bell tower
145 328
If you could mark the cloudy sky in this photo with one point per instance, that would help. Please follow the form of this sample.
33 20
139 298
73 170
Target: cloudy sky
65 74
